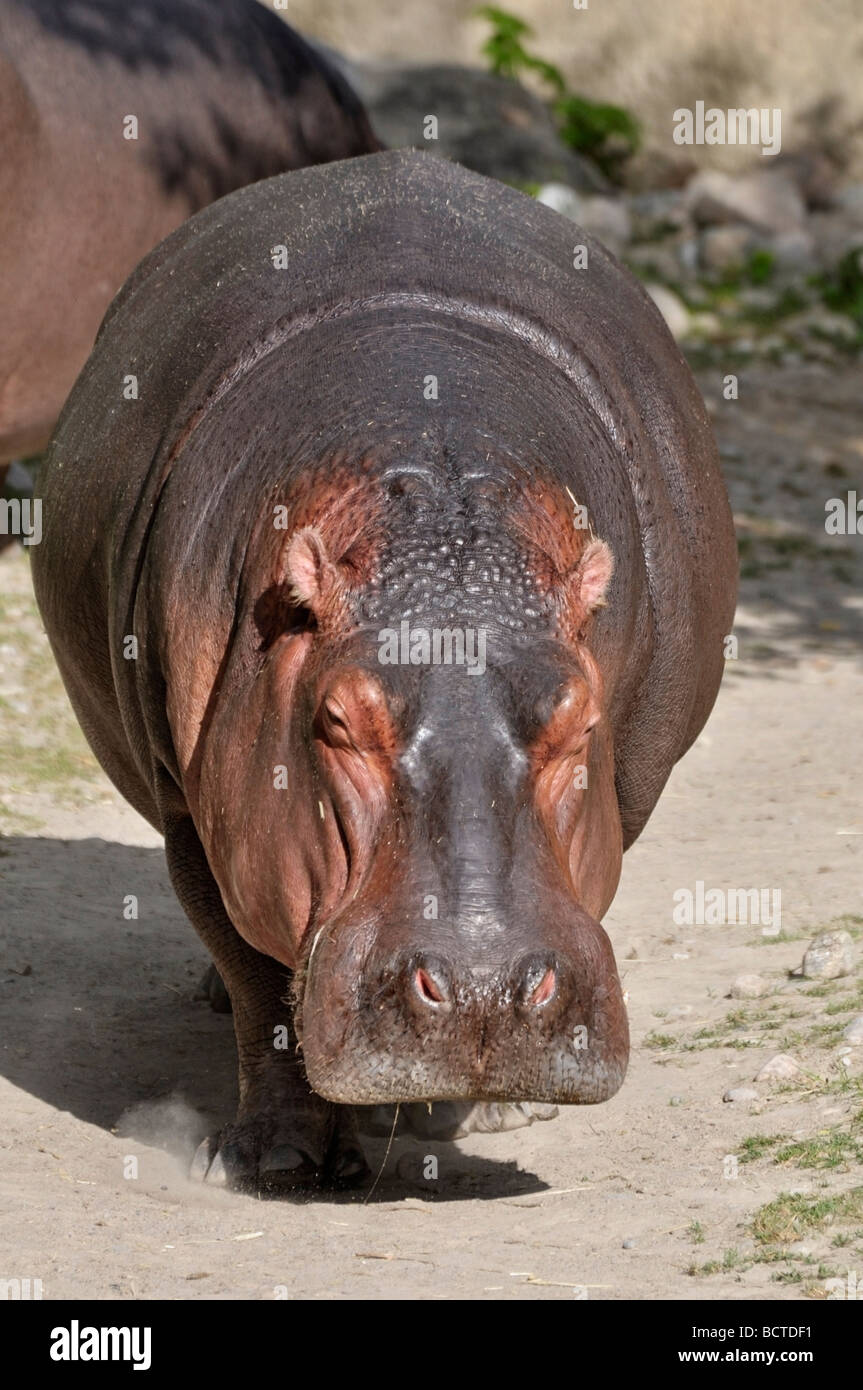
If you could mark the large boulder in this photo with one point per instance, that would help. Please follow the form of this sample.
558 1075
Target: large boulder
488 123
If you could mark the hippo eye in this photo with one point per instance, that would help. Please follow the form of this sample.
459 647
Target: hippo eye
335 715
563 703
587 731
333 725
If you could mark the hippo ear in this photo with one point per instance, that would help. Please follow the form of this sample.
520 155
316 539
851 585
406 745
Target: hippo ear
316 580
587 582
309 570
306 582
593 574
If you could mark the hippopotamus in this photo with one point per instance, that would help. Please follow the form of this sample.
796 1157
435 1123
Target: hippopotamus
391 599
117 121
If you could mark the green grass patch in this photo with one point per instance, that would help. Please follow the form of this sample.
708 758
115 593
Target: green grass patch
792 1215
757 1145
731 1260
837 1148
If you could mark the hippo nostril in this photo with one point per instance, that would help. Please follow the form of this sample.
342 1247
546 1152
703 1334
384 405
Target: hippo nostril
538 981
544 990
427 988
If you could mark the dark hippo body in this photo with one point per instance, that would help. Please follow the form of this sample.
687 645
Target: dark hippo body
224 93
290 485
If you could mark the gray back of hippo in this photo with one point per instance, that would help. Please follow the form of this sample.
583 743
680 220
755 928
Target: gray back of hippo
580 368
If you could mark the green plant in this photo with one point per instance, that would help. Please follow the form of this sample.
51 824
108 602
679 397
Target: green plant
608 134
760 266
842 288
506 53
831 1149
756 269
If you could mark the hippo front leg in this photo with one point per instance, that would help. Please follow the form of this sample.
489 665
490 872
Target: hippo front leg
284 1136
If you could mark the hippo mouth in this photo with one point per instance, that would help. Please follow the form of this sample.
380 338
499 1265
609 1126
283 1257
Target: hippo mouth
388 1077
546 1028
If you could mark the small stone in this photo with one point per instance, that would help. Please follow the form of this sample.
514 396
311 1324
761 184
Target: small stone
795 249
721 248
767 199
828 956
608 220
853 1032
563 199
680 1011
676 1100
738 1093
672 309
629 1243
749 987
779 1068
706 325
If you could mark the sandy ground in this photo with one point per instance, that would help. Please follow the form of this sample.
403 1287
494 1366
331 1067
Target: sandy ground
110 1070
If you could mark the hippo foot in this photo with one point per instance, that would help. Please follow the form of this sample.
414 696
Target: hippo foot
452 1120
265 1157
212 988
497 1118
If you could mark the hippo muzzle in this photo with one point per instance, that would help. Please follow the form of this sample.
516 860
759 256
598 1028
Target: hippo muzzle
547 1025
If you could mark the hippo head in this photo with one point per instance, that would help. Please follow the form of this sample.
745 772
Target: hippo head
419 815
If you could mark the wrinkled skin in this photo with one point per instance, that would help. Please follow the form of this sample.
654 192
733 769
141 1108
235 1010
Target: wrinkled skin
400 869
224 94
